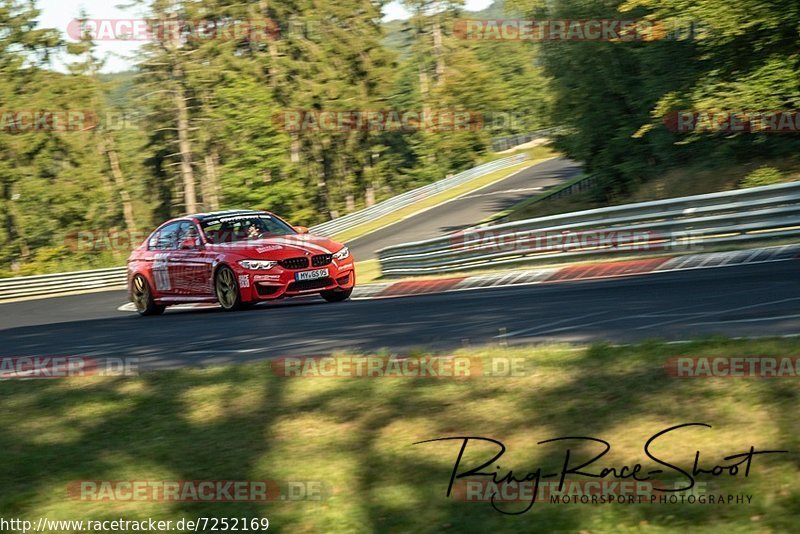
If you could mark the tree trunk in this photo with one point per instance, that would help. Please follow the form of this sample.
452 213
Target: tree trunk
273 64
272 46
295 148
423 89
187 175
210 182
13 234
119 182
438 52
184 145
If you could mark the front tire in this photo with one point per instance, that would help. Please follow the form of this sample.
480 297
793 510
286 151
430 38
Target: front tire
142 297
336 296
227 289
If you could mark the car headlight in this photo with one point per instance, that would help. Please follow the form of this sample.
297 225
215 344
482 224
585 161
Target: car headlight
258 265
342 254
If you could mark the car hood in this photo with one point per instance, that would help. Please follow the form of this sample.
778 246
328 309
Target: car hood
278 248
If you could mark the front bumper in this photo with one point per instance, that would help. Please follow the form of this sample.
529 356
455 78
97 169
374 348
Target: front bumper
279 282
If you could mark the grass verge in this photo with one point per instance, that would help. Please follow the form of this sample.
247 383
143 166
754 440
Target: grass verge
690 180
368 271
536 155
243 422
524 205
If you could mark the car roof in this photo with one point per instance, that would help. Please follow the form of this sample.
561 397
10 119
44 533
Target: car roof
225 213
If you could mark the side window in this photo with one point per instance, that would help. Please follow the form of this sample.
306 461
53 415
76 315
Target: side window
187 237
166 238
212 232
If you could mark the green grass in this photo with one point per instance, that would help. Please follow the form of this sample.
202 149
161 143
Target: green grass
242 422
368 271
524 205
536 154
689 180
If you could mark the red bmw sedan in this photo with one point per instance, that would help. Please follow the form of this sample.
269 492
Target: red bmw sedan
236 258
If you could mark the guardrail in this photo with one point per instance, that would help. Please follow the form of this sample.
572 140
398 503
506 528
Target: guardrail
745 215
408 198
500 144
48 284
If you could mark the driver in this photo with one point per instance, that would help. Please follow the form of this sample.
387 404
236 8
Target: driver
253 230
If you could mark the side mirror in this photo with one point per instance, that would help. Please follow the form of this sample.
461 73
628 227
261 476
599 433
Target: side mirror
301 229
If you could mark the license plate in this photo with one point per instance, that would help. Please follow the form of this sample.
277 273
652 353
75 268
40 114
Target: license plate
311 275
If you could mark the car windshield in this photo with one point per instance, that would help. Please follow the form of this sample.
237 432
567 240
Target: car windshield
237 228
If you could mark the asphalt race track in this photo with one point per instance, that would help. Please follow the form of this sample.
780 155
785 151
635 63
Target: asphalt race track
469 209
746 300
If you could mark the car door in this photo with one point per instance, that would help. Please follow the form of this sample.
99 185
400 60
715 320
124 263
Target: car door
190 264
162 244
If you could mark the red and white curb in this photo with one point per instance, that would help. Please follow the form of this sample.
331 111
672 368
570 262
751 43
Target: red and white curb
594 271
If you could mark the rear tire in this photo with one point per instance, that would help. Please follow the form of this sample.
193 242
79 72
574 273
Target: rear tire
142 297
227 289
336 296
